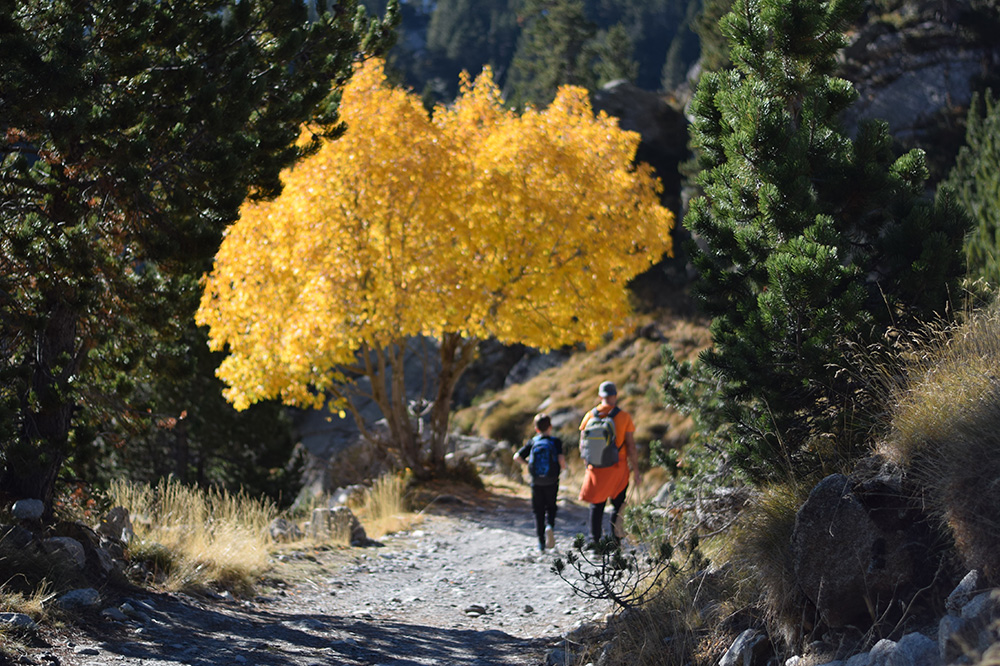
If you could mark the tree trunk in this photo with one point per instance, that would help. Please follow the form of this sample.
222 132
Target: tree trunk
32 463
456 355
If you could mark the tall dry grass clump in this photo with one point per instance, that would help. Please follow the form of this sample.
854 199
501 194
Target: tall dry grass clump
198 538
946 432
758 548
384 510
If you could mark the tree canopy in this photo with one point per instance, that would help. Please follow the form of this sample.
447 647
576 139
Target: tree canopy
473 223
130 133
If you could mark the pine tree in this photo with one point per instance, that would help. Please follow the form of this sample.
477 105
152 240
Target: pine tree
975 180
554 49
613 56
130 134
467 34
808 240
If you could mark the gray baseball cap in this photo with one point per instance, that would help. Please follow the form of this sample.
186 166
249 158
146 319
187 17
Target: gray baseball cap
606 389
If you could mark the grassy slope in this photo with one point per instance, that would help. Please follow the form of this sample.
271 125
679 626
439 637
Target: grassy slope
634 363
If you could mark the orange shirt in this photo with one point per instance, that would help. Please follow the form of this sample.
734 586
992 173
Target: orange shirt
602 483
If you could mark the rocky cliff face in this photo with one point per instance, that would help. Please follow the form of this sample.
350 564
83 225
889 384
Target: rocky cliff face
917 66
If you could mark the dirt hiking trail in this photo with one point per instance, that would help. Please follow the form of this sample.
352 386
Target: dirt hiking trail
465 586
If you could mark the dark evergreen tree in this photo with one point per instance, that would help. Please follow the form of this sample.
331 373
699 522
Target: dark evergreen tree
613 56
554 49
808 240
130 133
975 180
467 34
684 51
654 28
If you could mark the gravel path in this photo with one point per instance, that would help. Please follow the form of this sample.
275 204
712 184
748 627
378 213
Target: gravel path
464 586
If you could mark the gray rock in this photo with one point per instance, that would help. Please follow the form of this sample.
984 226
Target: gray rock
534 363
338 521
831 545
981 608
102 560
283 530
953 637
914 649
963 592
881 652
130 610
858 547
751 647
860 659
81 599
556 657
117 524
18 621
28 509
68 549
114 614
15 536
909 73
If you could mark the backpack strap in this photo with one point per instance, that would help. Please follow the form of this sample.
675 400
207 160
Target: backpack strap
613 413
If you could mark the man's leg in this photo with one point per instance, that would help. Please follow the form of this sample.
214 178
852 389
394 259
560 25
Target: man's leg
616 509
596 518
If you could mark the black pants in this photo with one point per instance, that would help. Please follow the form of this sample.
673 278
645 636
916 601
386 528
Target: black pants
543 504
597 515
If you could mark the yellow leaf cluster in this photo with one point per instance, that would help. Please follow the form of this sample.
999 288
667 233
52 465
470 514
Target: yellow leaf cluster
476 220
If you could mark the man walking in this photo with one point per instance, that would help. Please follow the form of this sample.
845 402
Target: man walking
603 483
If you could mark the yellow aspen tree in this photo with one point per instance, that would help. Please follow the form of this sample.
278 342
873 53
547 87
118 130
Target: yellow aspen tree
474 223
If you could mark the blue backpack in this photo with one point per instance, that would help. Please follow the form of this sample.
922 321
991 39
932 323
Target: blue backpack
543 461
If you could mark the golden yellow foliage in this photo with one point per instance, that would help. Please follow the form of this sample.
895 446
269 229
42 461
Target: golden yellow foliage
478 221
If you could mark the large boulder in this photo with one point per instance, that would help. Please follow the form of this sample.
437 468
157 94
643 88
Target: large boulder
860 550
661 127
67 550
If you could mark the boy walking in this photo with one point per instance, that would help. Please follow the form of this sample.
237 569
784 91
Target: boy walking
543 455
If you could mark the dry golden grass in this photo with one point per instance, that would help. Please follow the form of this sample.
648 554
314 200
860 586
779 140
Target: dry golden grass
945 429
758 548
33 603
198 538
955 378
384 510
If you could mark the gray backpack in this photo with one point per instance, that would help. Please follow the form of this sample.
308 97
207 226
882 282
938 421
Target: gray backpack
598 444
